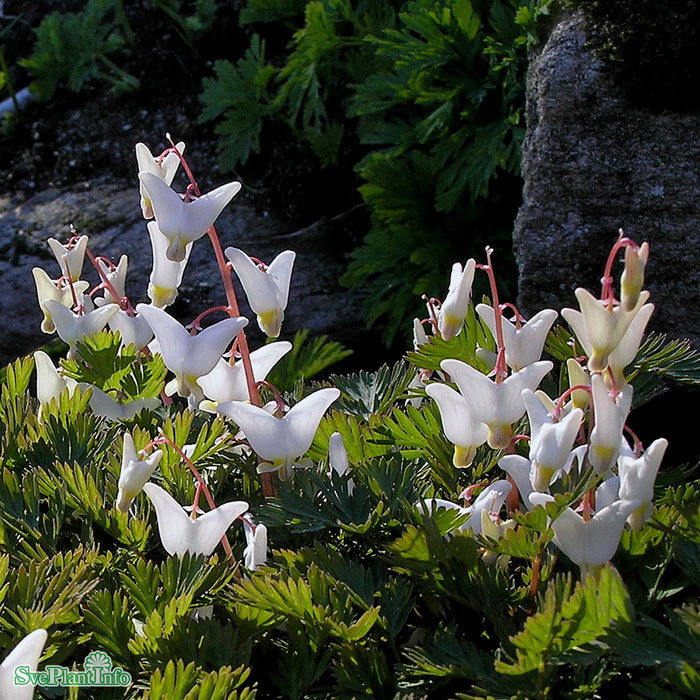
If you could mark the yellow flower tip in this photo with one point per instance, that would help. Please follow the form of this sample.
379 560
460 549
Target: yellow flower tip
161 296
450 326
270 322
463 456
542 477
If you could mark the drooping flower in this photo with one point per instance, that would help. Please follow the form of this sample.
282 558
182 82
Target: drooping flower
523 345
610 413
49 383
166 274
280 442
102 404
498 405
626 350
637 478
116 277
70 258
181 533
490 500
134 474
227 382
338 458
267 290
600 326
255 553
22 660
455 307
72 327
163 168
461 428
183 222
589 543
187 356
133 330
46 288
551 442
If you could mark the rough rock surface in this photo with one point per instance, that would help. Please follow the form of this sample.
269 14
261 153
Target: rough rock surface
110 214
594 163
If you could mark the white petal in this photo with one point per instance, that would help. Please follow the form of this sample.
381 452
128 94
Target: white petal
26 653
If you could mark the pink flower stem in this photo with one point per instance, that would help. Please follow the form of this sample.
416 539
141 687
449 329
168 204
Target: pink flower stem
607 294
501 369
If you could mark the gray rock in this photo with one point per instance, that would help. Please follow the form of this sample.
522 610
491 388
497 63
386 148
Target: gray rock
594 163
109 213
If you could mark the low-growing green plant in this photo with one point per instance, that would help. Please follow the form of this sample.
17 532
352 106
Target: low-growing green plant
473 522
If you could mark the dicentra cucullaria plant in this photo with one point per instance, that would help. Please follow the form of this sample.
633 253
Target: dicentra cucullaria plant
475 522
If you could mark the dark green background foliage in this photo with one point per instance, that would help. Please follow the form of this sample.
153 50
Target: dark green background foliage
424 99
651 46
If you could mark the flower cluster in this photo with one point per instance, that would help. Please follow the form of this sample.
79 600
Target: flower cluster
576 441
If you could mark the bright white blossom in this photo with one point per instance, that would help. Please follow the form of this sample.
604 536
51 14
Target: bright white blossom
626 350
255 553
188 356
181 533
610 413
454 308
116 277
26 654
102 404
49 382
163 168
70 259
523 345
599 326
461 428
637 476
72 327
46 288
551 442
133 330
134 474
166 274
183 222
338 458
589 543
498 405
280 442
267 290
227 382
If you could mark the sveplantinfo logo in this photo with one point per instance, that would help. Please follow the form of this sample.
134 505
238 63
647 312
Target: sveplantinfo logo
98 671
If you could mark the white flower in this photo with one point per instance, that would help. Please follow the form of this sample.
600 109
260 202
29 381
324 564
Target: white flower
72 327
637 478
610 413
255 553
70 259
338 458
23 659
134 473
190 356
133 330
227 382
102 404
461 428
47 289
183 222
180 533
626 350
164 169
49 383
116 277
166 274
454 309
279 442
551 442
490 500
519 469
591 543
498 405
523 345
600 327
267 290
